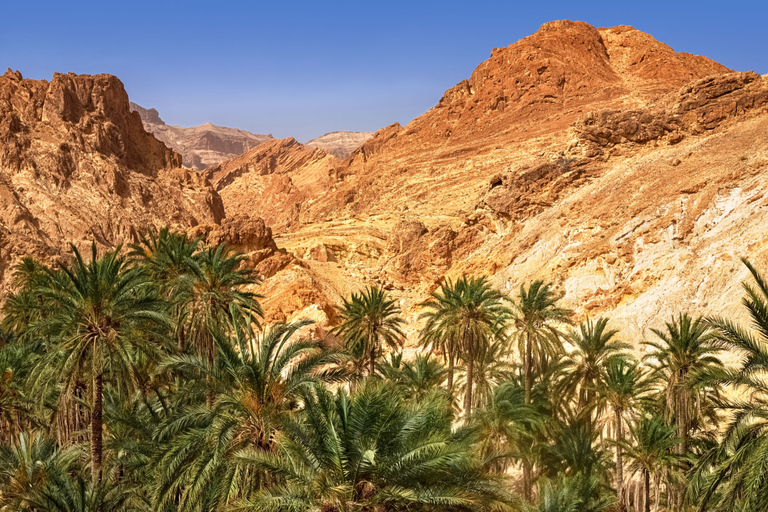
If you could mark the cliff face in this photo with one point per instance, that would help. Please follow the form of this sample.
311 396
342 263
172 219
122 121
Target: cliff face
76 165
629 174
200 146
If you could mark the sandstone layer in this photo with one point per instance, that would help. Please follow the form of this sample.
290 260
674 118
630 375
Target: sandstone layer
630 175
340 144
200 146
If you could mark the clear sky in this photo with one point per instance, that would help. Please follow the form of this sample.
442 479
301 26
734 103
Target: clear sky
305 68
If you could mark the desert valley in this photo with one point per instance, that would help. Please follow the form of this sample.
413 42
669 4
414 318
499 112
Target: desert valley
626 176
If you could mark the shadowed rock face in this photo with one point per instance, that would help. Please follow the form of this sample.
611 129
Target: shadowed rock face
76 165
200 146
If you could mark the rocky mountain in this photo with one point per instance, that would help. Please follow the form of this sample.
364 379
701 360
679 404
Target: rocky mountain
76 165
340 144
601 159
200 146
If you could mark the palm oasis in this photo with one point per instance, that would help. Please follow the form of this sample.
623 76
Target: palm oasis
146 379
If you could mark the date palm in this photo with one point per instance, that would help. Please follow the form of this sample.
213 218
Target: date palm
652 453
593 346
215 301
684 347
416 378
256 386
30 463
735 472
463 318
536 320
99 315
166 256
370 320
372 450
621 388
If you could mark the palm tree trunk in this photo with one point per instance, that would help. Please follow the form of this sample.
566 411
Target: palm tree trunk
470 381
619 461
372 367
96 415
647 489
208 381
657 484
527 368
527 480
450 373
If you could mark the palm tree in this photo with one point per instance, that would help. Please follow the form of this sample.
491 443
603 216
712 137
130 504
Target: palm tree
535 322
621 388
493 367
415 378
509 426
652 454
27 465
684 347
594 345
166 256
68 494
257 387
369 320
573 494
464 318
373 451
734 472
100 314
214 300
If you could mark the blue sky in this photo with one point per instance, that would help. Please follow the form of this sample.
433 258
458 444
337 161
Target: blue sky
305 68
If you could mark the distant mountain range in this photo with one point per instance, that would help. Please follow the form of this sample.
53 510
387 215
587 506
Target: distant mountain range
200 146
206 145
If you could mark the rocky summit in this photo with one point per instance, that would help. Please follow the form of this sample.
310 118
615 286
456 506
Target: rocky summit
629 174
77 166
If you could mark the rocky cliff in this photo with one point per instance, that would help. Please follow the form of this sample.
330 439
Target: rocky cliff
200 146
601 159
76 165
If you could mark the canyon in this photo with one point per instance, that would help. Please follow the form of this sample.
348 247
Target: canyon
630 175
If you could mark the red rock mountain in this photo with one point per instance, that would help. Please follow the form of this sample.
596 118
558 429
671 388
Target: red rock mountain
629 174
600 159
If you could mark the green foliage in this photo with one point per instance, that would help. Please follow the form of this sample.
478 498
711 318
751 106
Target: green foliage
373 449
369 322
151 371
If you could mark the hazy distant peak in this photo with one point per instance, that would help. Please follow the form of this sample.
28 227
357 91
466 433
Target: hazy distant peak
340 144
200 146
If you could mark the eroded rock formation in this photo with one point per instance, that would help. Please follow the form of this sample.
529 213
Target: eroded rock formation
76 165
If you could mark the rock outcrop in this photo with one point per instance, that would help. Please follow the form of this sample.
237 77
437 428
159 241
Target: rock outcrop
273 179
76 165
200 146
